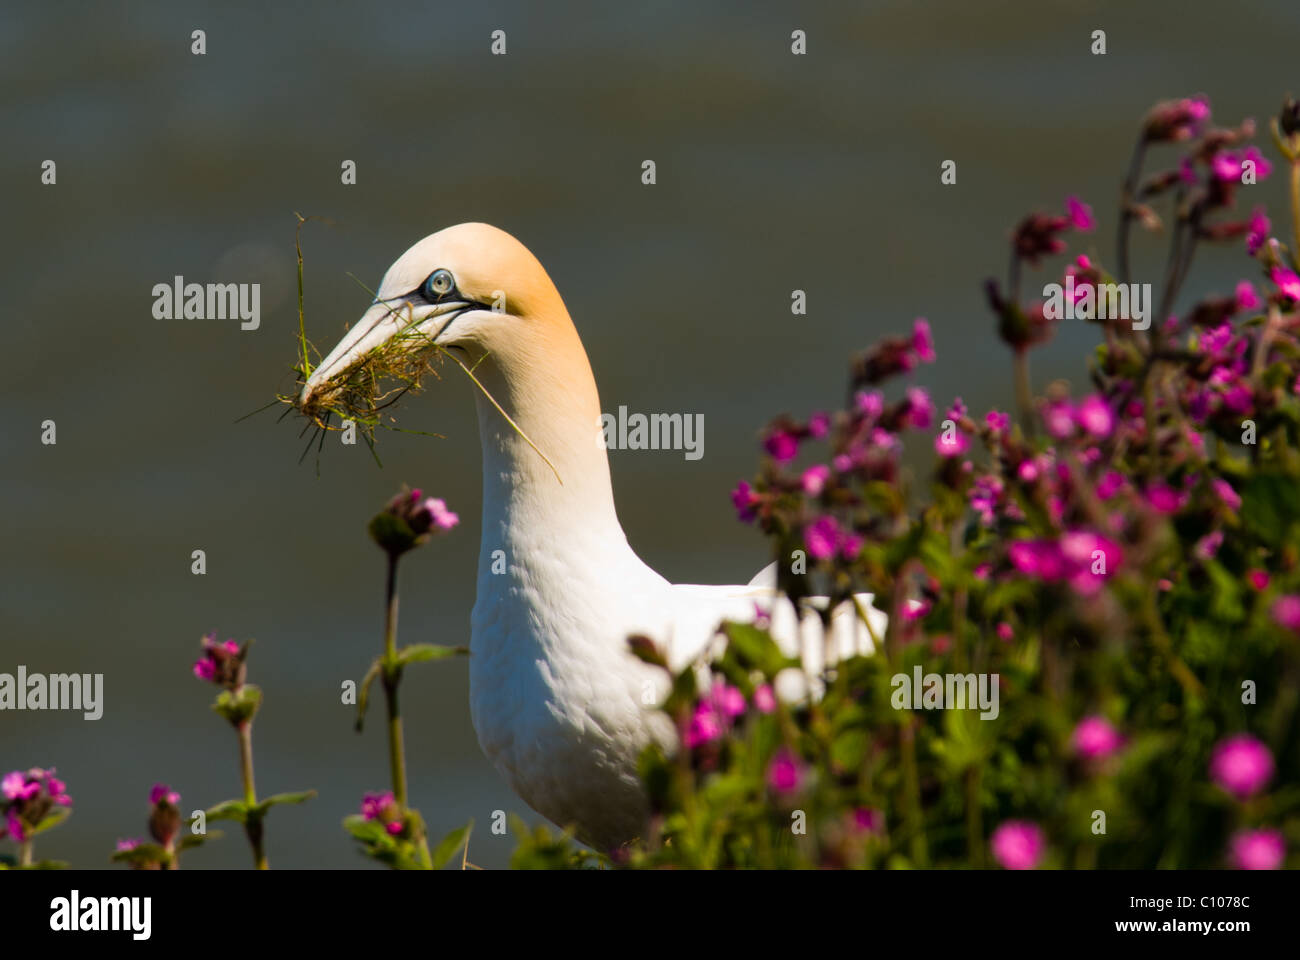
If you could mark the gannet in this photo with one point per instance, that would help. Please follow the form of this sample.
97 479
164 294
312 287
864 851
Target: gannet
559 704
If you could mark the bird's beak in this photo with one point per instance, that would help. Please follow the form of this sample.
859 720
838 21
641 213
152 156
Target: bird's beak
421 321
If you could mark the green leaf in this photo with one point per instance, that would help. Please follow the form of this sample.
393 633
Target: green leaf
239 708
142 854
368 831
235 810
279 798
450 845
51 820
1268 505
849 749
420 652
192 840
756 648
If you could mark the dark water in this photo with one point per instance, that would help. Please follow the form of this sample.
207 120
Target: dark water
775 172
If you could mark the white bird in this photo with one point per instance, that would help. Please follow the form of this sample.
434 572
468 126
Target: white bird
559 703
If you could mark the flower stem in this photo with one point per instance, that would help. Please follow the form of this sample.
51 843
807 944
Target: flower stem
393 677
1024 395
253 824
1295 212
25 853
396 749
974 824
1126 207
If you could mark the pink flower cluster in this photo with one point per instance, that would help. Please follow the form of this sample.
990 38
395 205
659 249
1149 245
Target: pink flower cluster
1094 738
383 807
219 662
785 772
161 793
718 709
28 797
1083 559
1241 765
1018 844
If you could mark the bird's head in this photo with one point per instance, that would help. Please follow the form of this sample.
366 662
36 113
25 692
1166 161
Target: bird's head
471 287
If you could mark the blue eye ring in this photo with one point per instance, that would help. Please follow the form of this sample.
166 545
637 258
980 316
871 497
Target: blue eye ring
439 284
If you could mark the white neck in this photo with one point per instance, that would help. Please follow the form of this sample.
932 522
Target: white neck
560 537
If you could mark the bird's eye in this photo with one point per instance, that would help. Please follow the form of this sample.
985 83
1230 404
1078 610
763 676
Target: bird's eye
439 284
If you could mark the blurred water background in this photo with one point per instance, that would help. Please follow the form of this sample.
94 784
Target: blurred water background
775 172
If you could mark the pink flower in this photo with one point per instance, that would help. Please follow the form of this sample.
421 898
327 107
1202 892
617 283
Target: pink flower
1017 844
1206 547
1241 765
705 725
1259 579
1258 232
822 538
869 820
1080 214
14 825
439 515
125 845
814 479
997 422
1005 631
727 700
1095 416
205 669
1286 611
764 699
781 445
922 341
1094 738
914 610
1247 298
383 807
870 403
1059 419
819 424
1164 499
1223 490
745 499
920 408
1226 166
1288 284
374 804
784 773
161 792
1175 120
951 444
1257 849
1110 484
1037 558
12 785
850 546
1262 165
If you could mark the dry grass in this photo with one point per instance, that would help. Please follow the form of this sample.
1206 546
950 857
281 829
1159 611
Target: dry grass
368 391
